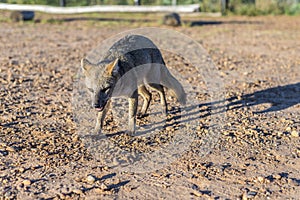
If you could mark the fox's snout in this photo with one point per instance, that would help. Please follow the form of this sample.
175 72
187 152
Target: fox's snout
99 106
99 102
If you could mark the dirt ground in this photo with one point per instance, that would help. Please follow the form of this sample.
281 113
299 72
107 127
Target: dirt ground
257 148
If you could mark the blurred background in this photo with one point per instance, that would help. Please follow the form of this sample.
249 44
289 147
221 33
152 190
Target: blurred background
227 7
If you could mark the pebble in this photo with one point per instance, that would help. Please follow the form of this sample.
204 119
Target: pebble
169 128
21 169
103 186
3 153
14 62
115 161
90 179
61 196
197 194
260 179
65 190
77 191
78 179
26 182
225 133
10 149
277 176
198 128
249 195
295 133
98 190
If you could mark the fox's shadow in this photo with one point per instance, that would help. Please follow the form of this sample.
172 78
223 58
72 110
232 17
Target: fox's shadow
279 98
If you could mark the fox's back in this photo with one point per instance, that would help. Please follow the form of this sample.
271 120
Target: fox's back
135 50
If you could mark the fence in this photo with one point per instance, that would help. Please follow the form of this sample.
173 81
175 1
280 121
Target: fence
243 7
101 2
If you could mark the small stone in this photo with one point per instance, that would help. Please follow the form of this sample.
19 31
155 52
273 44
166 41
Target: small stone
21 169
64 190
155 174
20 186
169 128
251 194
247 196
103 186
26 182
294 133
61 196
198 128
260 179
225 133
279 133
90 179
77 191
115 161
288 129
14 62
223 73
98 190
277 176
78 179
10 149
75 139
196 193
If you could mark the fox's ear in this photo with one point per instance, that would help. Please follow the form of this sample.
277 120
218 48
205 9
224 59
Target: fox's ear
86 65
112 67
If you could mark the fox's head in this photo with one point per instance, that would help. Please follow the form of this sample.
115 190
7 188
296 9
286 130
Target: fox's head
100 80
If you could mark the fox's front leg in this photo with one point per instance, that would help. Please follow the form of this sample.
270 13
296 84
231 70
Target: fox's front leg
100 117
133 104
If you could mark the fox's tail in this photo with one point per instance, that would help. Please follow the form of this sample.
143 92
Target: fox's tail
169 81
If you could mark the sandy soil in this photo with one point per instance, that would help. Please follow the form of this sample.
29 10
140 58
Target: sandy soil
257 147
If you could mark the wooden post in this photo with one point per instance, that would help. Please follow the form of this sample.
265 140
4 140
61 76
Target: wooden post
137 2
62 3
224 6
174 2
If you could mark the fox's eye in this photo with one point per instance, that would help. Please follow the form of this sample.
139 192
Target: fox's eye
90 89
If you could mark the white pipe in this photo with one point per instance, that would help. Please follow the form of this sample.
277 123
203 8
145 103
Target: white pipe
100 8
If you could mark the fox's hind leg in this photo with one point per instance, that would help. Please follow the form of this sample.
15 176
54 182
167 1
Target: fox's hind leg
160 89
101 116
146 97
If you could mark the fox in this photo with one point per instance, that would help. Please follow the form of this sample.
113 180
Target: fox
131 64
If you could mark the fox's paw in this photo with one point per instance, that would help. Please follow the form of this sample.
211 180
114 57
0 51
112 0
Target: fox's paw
130 133
97 131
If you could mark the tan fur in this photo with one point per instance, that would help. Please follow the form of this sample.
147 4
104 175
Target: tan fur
85 65
111 66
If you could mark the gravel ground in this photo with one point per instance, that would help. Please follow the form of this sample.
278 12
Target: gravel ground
257 148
